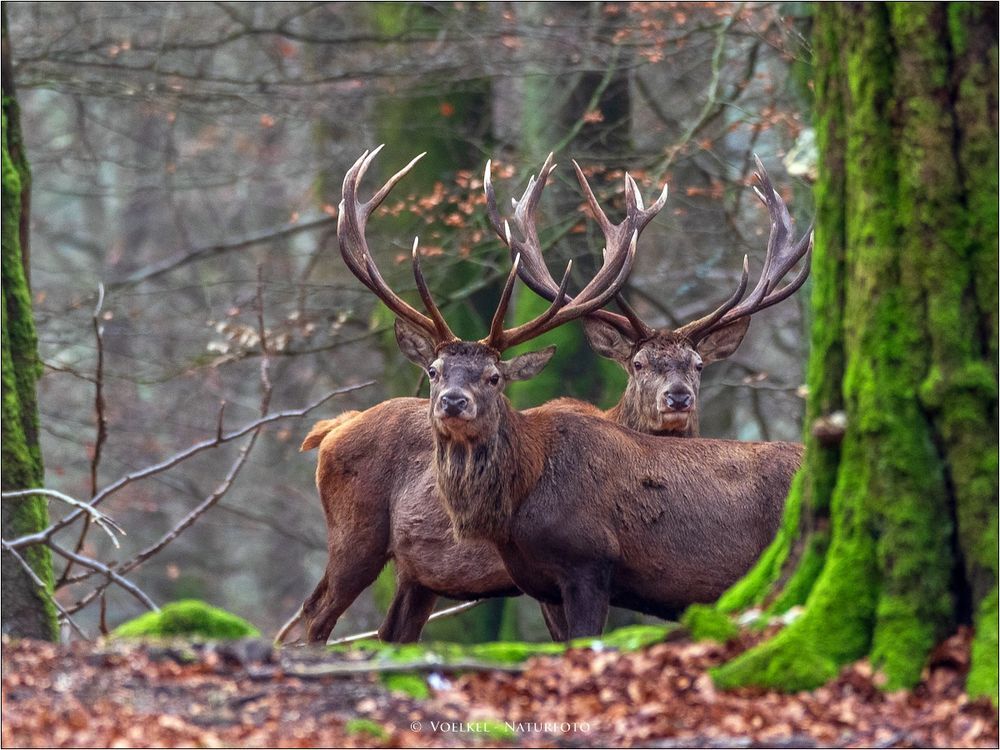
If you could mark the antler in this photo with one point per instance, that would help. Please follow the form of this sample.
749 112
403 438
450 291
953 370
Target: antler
782 254
619 255
532 268
351 222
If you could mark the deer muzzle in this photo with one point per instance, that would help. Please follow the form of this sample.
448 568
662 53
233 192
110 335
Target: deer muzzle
454 404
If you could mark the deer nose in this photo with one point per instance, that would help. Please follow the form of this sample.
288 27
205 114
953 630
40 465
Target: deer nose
453 403
679 400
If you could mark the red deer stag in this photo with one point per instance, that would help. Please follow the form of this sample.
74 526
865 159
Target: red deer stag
374 514
664 365
584 512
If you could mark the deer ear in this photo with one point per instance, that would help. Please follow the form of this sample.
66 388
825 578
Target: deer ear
525 366
414 343
607 340
720 344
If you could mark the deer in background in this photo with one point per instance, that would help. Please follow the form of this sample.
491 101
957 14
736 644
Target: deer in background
375 472
583 512
664 365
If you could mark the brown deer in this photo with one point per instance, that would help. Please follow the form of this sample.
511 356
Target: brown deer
428 562
374 513
664 365
584 512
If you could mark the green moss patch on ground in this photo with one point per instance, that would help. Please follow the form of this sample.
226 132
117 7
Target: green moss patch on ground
189 618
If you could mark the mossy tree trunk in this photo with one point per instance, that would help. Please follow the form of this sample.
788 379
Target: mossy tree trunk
27 610
890 536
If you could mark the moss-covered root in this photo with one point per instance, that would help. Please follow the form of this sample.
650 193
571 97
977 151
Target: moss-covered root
835 628
706 623
982 680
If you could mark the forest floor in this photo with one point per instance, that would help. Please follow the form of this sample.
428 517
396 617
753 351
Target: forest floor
244 694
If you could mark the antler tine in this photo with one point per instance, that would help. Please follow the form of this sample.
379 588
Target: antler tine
698 329
562 310
441 326
533 270
351 224
782 254
595 208
619 254
495 337
637 329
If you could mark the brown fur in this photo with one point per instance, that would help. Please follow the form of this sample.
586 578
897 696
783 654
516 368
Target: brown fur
585 512
325 426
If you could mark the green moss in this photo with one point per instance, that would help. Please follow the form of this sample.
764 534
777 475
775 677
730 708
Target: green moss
982 680
797 588
706 623
408 683
187 619
635 637
513 652
366 727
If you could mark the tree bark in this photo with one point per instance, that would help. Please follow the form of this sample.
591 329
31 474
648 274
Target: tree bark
890 536
27 611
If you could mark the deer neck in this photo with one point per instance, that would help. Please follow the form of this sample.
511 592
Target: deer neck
483 480
631 412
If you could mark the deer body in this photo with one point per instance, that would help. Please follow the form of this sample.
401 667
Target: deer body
586 513
666 536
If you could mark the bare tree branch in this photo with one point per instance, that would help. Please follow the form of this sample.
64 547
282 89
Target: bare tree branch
44 535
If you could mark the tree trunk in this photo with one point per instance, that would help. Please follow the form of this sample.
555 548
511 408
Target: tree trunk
890 536
27 610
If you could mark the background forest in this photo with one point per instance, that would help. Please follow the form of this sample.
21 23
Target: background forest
186 162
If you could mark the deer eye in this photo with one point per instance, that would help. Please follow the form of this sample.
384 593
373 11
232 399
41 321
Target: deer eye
636 365
494 378
432 372
699 366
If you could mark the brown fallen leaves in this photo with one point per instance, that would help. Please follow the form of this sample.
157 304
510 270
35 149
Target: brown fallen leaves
128 696
665 693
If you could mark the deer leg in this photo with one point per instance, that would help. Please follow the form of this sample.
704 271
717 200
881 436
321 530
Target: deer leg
555 620
411 606
342 584
586 595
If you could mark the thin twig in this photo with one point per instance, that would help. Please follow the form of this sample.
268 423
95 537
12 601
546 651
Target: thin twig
103 622
227 482
101 423
442 614
187 256
109 525
295 619
109 572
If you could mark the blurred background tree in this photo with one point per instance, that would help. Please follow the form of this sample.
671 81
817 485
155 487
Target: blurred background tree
178 146
27 611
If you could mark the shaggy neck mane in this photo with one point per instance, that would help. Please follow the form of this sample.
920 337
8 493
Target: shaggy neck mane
482 481
628 412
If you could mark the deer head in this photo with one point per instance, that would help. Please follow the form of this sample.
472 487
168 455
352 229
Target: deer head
467 378
664 364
